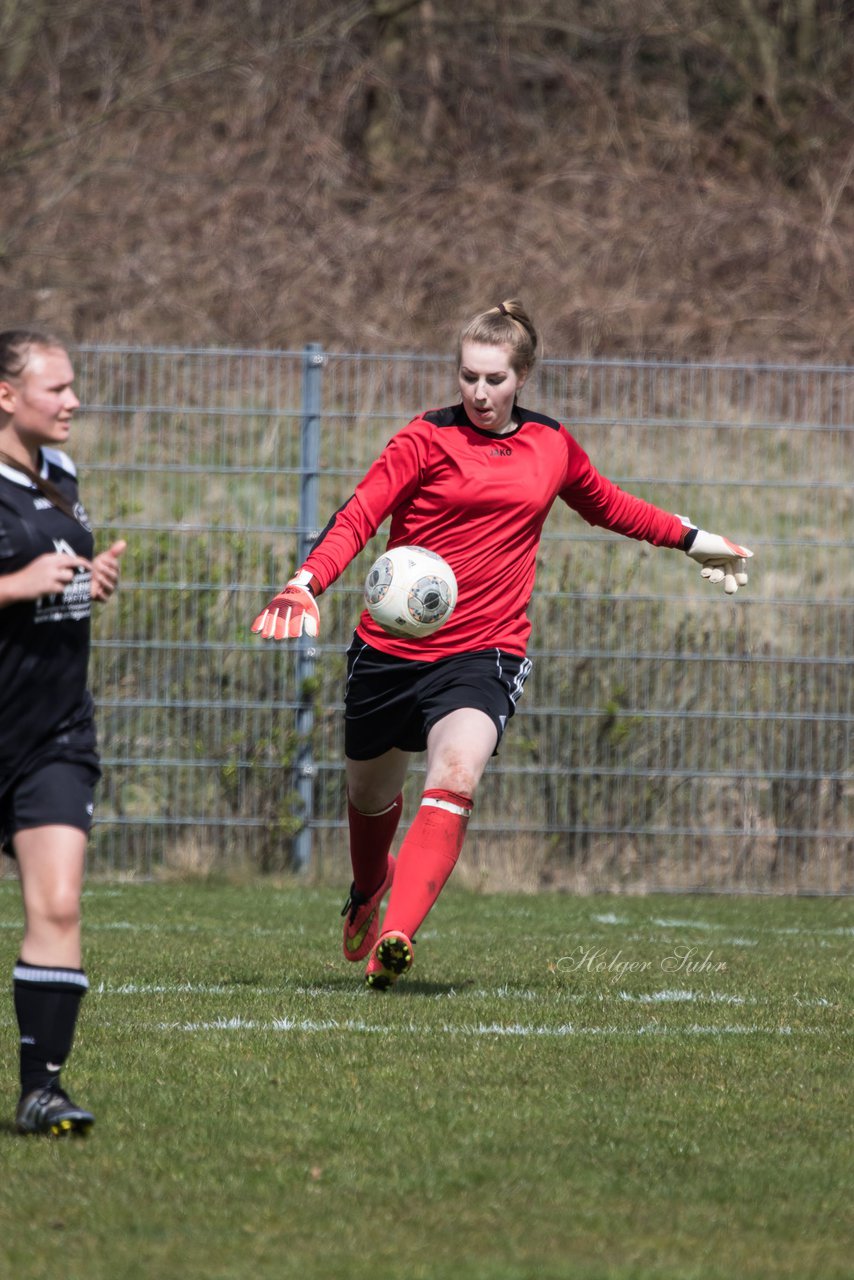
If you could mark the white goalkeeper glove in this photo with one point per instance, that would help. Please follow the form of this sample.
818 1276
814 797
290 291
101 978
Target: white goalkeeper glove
722 560
290 613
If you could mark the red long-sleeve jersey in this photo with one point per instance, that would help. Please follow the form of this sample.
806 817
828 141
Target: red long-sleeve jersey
480 501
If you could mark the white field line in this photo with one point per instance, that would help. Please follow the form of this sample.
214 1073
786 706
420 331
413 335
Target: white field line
660 922
309 1026
499 993
638 927
12 887
476 1030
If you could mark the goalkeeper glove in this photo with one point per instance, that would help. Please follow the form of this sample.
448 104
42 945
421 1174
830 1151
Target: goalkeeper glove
722 560
291 613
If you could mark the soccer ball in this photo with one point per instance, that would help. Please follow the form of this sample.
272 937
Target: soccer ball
410 591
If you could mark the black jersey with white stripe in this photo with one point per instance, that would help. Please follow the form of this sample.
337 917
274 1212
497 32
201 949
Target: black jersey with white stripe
45 707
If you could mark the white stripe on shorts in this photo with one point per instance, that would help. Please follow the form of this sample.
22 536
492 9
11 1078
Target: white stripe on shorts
515 687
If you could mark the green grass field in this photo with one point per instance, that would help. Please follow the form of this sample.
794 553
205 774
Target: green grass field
610 1088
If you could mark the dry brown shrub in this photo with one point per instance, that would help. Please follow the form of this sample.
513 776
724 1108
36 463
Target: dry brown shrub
656 178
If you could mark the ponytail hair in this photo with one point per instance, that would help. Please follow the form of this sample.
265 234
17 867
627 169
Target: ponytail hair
506 324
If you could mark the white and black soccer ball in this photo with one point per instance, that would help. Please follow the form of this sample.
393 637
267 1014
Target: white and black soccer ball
410 591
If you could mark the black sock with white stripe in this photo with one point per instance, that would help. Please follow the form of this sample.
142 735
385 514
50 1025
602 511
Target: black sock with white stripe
47 1001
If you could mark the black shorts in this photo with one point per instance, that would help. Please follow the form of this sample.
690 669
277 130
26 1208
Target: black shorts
57 793
394 702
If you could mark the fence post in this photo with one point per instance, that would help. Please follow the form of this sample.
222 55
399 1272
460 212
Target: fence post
312 377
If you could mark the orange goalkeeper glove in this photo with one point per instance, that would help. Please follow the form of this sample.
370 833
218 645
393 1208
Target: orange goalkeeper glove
291 613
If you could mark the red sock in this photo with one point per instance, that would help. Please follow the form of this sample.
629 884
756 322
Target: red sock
371 835
427 857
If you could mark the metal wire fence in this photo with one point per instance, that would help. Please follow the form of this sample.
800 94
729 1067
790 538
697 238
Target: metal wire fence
669 737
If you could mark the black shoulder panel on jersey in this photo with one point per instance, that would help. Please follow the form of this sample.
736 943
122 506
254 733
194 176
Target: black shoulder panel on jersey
329 523
525 415
453 416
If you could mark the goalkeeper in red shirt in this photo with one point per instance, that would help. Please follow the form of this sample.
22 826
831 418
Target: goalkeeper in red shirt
474 483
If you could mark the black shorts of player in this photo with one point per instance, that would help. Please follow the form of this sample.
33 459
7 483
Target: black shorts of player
55 793
394 702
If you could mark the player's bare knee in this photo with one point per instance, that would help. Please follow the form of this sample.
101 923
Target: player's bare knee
370 799
452 772
61 914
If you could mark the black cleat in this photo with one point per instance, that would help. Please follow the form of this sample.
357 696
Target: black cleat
49 1110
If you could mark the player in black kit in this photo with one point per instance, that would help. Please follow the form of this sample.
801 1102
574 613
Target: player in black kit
48 751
